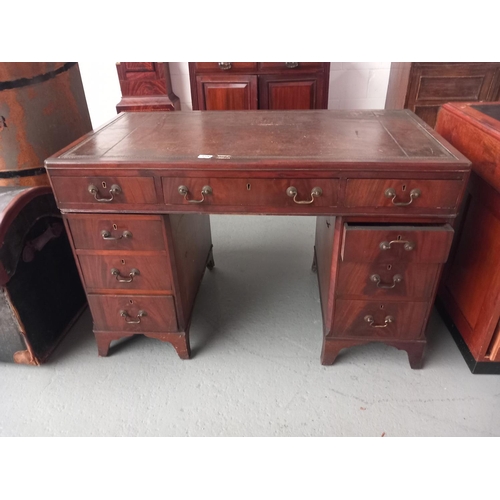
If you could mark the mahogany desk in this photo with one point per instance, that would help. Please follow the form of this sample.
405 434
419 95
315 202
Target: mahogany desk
136 196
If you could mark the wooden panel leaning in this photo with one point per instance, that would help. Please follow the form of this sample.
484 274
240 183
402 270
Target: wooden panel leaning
385 189
470 288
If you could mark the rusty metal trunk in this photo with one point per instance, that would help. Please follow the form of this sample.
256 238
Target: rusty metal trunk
42 110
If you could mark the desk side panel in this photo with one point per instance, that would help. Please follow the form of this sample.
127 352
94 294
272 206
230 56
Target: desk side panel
190 242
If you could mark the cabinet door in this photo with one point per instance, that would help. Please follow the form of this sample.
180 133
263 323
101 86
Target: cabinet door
291 92
227 92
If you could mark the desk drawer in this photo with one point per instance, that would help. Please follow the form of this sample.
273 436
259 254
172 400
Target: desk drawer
379 320
105 190
126 272
133 313
403 195
231 192
362 280
116 232
389 244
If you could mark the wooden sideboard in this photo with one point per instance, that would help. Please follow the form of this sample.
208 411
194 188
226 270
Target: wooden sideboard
425 86
146 86
136 197
263 85
470 288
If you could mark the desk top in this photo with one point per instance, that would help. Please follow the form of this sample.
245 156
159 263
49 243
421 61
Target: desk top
231 138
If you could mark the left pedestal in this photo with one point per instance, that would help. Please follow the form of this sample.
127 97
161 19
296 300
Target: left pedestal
141 273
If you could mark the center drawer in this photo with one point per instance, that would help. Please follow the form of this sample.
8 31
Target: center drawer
126 271
232 192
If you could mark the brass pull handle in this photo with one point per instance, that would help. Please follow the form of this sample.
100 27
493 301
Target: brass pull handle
184 191
115 189
388 319
106 235
315 193
408 245
225 65
140 314
133 272
391 193
397 278
291 65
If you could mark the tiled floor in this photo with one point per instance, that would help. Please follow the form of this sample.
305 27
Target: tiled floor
256 337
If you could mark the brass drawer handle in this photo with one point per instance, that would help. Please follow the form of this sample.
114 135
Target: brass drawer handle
106 235
184 191
140 314
388 319
291 65
391 193
115 189
133 272
408 245
224 65
397 278
315 193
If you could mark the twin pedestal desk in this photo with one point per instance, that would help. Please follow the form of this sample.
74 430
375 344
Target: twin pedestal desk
385 189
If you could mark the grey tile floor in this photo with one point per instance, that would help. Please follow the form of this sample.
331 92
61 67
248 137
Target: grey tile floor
256 338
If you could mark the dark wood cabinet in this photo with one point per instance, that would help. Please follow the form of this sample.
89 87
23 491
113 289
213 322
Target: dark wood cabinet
146 86
424 87
264 85
470 287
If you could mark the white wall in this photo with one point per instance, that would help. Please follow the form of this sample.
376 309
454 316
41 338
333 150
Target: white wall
102 90
358 85
352 86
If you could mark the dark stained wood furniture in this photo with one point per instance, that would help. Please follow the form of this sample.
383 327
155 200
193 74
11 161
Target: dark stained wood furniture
136 197
424 86
265 85
146 86
469 293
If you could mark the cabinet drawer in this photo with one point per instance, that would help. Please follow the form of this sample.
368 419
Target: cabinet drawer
399 279
226 67
126 272
389 244
115 232
403 195
133 313
379 320
251 192
106 190
290 66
